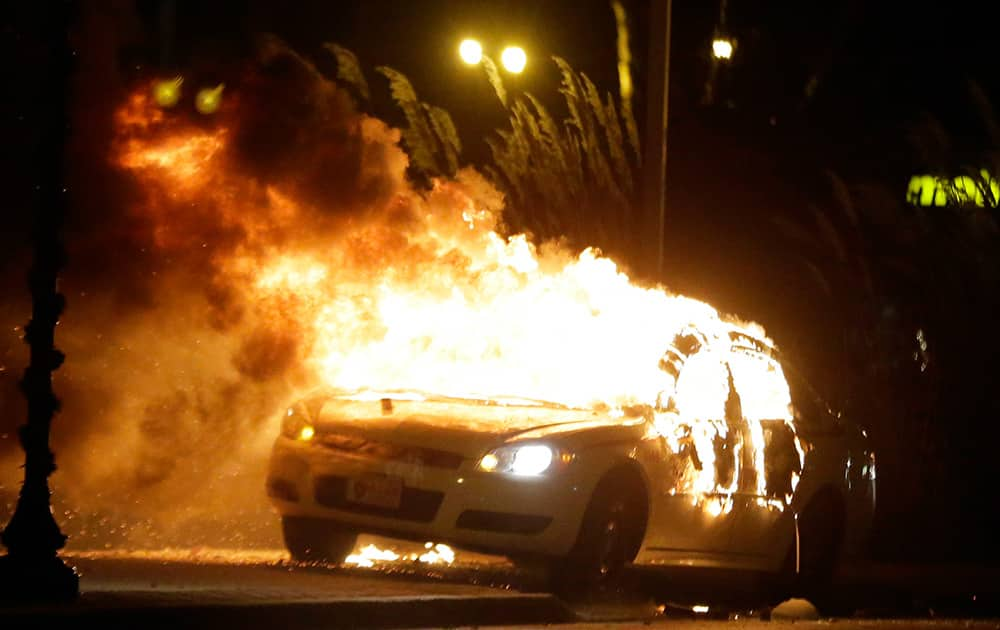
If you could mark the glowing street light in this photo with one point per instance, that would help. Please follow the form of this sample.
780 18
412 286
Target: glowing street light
166 93
208 100
722 48
514 59
470 51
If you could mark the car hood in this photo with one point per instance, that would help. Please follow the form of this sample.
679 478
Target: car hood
467 427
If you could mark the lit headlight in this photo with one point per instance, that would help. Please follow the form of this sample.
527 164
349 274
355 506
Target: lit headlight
527 460
295 425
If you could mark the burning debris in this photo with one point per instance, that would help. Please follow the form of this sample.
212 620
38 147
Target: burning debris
370 555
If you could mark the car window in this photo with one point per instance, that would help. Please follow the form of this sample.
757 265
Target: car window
781 458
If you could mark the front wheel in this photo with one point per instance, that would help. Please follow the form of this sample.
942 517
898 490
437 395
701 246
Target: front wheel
610 536
317 540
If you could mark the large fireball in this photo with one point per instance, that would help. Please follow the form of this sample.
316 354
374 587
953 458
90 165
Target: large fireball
418 289
277 246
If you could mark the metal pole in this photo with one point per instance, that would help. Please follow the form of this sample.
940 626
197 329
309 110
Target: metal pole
32 570
655 148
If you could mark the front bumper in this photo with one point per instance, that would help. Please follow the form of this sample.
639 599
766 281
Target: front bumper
463 505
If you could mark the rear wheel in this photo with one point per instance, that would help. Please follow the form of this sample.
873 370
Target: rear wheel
609 538
821 531
317 540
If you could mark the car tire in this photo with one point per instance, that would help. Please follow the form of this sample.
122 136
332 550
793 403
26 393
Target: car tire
609 538
317 540
820 532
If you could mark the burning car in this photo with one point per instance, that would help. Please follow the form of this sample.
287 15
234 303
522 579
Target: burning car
720 471
672 439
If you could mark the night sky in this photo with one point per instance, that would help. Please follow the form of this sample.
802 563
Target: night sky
833 84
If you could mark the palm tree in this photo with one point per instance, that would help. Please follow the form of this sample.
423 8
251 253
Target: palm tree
914 292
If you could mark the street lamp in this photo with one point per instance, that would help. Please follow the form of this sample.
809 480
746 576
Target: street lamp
470 51
514 59
722 53
208 100
167 92
722 48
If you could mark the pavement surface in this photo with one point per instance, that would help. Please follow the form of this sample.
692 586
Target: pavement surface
216 588
756 624
195 588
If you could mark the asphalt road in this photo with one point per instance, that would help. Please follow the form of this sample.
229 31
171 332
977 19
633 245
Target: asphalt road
215 588
755 624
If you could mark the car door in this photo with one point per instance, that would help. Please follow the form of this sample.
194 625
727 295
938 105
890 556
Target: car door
698 470
772 461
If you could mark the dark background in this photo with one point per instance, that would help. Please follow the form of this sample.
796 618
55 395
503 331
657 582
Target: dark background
785 198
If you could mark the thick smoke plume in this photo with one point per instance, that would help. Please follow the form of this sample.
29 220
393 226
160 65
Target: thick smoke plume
174 377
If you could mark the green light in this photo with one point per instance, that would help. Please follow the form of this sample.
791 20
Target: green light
929 190
967 191
166 93
208 100
994 186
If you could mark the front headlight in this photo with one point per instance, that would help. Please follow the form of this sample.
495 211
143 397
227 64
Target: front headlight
295 425
526 460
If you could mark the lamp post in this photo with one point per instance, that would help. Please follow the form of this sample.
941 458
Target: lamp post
32 570
722 53
654 159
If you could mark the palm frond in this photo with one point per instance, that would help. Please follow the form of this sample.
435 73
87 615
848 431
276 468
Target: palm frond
573 179
430 136
349 69
493 75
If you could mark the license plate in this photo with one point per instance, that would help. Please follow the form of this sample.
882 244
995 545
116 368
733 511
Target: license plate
376 490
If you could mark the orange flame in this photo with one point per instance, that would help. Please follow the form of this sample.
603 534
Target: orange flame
421 290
